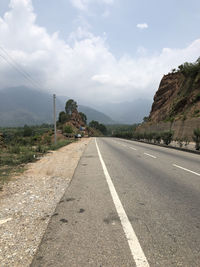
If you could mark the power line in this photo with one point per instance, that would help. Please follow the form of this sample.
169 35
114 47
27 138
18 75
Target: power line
18 68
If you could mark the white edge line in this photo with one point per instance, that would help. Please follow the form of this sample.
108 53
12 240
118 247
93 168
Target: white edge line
198 174
150 155
136 250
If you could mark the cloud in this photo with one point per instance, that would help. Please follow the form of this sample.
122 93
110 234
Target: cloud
142 26
83 5
83 67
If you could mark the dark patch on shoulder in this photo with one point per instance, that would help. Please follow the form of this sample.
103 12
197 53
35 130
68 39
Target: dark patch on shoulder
111 219
39 258
63 220
81 210
55 214
141 203
70 199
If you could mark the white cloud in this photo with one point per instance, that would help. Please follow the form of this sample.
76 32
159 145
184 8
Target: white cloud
82 68
142 26
83 5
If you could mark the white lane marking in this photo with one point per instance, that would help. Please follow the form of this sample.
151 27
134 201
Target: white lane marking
136 250
5 221
150 155
186 169
132 148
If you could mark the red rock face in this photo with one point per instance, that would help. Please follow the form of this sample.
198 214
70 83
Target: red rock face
175 98
76 120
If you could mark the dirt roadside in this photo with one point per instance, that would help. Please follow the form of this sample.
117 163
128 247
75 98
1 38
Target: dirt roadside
29 200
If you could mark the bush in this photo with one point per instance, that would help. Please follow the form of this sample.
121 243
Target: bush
68 129
167 137
15 149
28 131
196 138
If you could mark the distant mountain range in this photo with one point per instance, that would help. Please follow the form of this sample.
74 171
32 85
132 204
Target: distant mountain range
128 112
22 105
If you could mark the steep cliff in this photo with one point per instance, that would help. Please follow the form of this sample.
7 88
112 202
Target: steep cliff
176 105
178 98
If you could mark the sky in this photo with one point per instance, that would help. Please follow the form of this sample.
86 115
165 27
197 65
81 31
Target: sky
96 51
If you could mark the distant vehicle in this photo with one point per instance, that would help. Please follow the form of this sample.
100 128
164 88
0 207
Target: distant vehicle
78 136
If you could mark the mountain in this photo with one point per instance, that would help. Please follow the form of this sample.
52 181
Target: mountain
22 105
128 112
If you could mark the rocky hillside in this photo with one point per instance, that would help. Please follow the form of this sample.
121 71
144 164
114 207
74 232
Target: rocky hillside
176 105
178 97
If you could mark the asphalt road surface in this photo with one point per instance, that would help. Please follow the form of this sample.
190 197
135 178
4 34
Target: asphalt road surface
129 204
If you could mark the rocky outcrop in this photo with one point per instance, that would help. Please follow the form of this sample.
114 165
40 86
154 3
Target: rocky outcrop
76 120
178 98
176 105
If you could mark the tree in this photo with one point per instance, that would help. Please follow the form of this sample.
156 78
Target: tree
98 126
71 106
94 124
83 117
28 131
63 117
102 128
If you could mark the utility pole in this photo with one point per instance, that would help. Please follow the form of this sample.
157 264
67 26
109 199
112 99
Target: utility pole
54 113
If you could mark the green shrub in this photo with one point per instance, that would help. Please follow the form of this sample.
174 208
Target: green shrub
157 138
167 137
196 138
68 129
28 131
15 149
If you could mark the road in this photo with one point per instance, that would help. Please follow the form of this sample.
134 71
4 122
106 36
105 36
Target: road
129 204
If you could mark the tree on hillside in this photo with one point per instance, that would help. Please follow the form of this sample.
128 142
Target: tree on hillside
83 117
71 106
94 124
103 129
98 126
63 117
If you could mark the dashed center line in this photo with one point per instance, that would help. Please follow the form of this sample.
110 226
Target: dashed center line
196 173
132 148
150 155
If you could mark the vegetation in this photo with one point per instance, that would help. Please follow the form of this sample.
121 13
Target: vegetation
155 137
70 106
22 145
121 130
190 69
83 117
98 126
196 138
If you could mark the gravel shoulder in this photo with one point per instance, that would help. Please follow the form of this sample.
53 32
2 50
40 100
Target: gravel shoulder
28 201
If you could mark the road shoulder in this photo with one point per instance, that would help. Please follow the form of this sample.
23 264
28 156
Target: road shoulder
28 202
